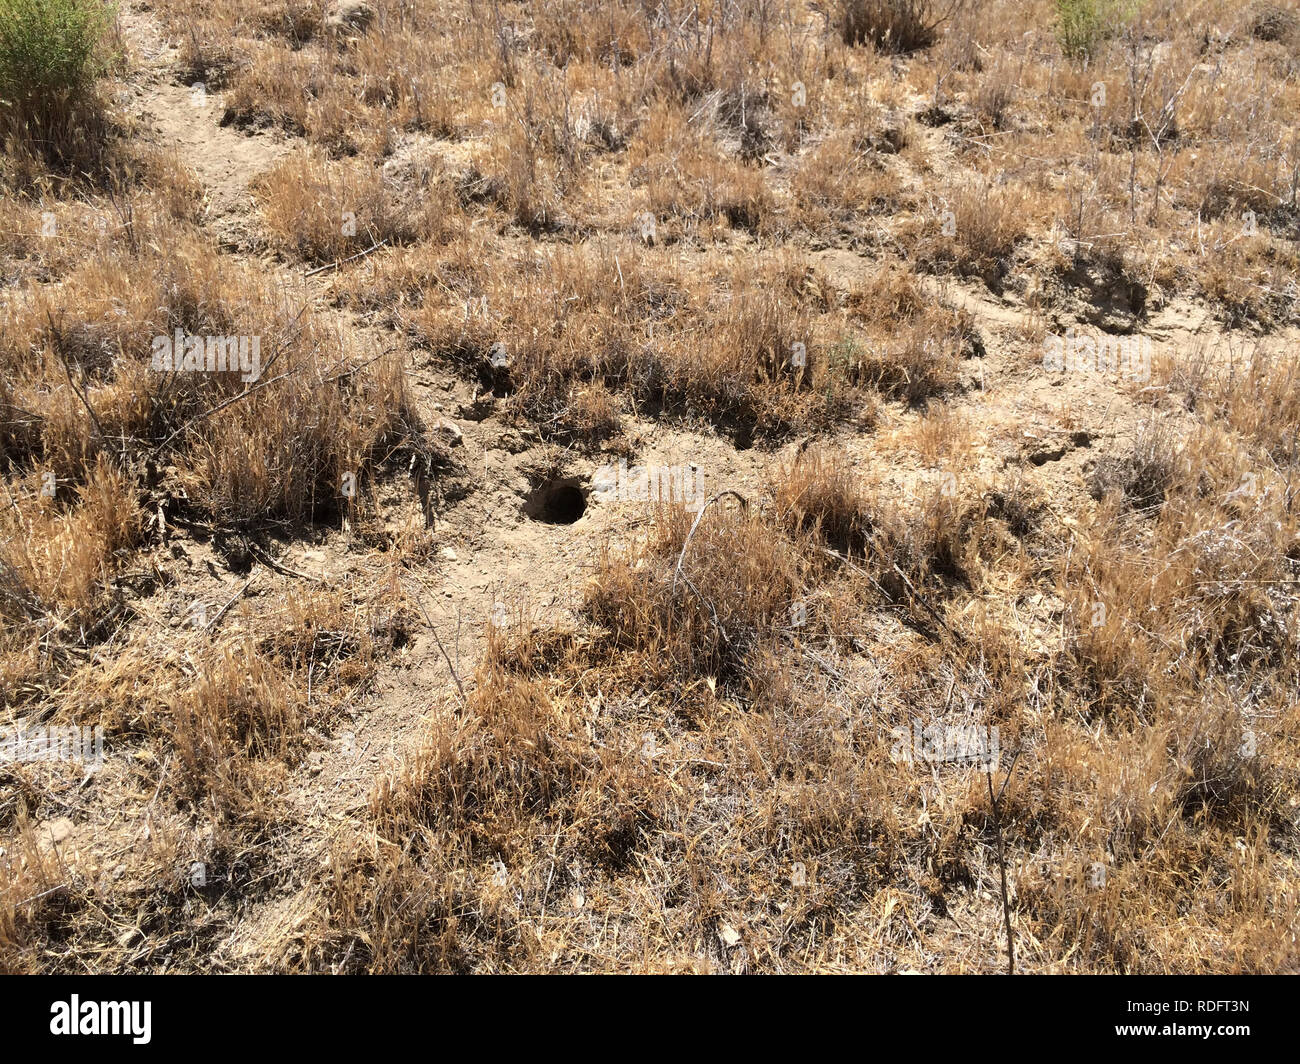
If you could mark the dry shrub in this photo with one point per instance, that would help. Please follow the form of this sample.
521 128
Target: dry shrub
893 25
233 730
322 211
58 557
986 224
726 604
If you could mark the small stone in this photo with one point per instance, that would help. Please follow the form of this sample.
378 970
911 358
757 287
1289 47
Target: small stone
451 432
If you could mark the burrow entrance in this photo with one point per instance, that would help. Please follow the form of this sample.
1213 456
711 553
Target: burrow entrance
559 501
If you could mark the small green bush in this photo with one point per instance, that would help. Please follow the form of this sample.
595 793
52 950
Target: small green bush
50 55
1082 25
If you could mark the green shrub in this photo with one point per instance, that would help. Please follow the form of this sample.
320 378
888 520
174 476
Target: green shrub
50 55
1082 25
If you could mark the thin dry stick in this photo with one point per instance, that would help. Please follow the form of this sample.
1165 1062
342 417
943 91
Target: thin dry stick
438 639
271 563
1002 860
221 406
696 524
350 258
359 366
43 894
257 385
63 358
681 557
922 600
212 624
908 583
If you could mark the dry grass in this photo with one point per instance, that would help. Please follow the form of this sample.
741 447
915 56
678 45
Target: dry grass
817 249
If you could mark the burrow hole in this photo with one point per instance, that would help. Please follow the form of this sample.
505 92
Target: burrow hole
559 501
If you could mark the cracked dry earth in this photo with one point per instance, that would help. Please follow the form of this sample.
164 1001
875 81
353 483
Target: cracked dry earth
489 550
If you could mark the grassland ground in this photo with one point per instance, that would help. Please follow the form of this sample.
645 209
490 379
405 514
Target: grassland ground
698 457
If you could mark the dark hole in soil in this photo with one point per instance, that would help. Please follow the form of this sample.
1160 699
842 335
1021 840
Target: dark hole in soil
557 502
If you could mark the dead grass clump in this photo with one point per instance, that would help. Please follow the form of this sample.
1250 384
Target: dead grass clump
722 608
837 181
207 59
1272 22
977 232
233 731
59 556
920 359
1257 395
1144 475
321 211
1189 593
275 88
299 449
820 496
1020 504
892 25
